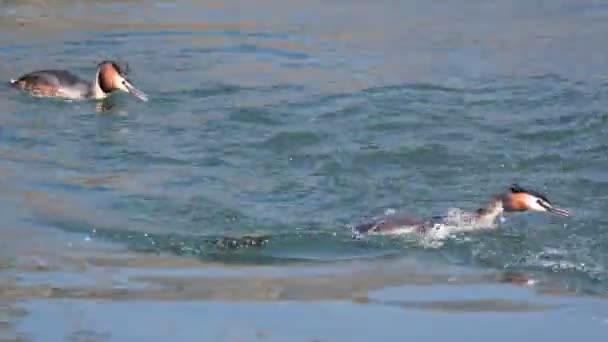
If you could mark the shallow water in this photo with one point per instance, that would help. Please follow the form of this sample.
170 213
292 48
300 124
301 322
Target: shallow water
273 125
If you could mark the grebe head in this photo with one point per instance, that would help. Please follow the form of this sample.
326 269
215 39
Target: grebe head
110 77
520 199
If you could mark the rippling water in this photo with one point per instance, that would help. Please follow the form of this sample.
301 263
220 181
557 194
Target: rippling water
269 131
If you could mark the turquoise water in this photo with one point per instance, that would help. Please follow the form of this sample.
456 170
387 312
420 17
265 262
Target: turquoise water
287 122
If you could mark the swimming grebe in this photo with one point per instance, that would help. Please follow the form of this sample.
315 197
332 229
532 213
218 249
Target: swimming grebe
517 199
61 83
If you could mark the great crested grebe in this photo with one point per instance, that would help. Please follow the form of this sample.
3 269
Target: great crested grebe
517 199
109 77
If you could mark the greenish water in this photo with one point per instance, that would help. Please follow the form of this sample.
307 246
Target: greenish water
240 138
271 127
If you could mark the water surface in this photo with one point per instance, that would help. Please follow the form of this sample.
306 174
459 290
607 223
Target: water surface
273 125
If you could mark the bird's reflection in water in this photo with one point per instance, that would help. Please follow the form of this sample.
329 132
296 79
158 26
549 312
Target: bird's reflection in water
104 106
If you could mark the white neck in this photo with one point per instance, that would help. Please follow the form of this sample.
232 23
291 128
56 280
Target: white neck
96 91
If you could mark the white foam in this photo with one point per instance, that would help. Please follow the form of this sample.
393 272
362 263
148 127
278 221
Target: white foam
390 211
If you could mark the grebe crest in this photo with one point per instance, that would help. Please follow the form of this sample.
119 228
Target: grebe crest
110 76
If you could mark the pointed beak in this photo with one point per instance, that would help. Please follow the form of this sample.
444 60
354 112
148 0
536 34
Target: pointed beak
135 92
559 211
555 210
